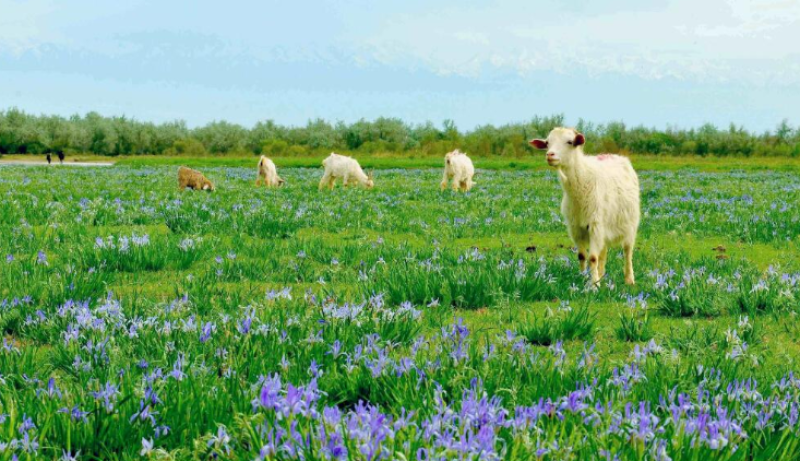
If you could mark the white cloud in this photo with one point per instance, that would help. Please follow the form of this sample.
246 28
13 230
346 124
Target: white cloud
714 40
743 41
471 37
24 25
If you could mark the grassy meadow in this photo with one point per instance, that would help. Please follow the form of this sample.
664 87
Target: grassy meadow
400 323
420 160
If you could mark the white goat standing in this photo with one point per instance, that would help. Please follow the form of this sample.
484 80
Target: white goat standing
347 168
458 166
601 200
268 173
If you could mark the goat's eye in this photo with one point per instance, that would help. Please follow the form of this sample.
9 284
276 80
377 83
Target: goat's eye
569 142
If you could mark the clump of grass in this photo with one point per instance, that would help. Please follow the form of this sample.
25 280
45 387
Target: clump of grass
634 322
179 221
689 299
269 223
129 253
633 328
473 279
563 324
749 330
693 338
761 296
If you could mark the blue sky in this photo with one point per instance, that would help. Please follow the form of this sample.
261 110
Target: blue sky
657 62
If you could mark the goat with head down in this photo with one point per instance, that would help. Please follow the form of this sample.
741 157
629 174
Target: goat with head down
347 169
193 179
268 173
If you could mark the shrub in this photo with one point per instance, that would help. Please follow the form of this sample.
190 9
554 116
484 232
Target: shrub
187 147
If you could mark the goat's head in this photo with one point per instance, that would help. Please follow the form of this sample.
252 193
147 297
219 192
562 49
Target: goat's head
370 180
449 156
561 144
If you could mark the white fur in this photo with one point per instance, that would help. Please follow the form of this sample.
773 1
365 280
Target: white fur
600 203
458 167
268 173
347 168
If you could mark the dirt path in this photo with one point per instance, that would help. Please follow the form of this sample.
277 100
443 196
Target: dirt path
54 164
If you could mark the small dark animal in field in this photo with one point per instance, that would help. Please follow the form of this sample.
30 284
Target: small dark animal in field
60 154
193 179
49 158
720 249
531 249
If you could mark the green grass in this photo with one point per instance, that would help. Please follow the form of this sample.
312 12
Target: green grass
402 297
533 161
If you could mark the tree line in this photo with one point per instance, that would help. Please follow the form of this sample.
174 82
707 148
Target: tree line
23 133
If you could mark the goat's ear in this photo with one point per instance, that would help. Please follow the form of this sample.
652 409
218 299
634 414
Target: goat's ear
538 143
579 140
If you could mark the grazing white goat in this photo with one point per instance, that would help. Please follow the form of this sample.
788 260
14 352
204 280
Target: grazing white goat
458 167
268 173
601 199
347 168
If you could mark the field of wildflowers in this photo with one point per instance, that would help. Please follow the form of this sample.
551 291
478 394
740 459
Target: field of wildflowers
401 323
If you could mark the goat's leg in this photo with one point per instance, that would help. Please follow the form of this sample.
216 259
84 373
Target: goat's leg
583 255
628 250
596 245
601 269
325 181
